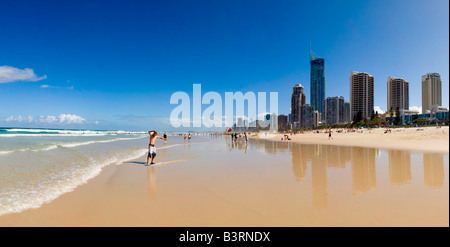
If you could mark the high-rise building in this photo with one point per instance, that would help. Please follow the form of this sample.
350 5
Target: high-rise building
431 91
317 82
282 121
334 110
317 118
298 99
347 112
361 94
307 116
397 94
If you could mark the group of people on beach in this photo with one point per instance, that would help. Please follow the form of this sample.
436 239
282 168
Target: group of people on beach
235 136
188 136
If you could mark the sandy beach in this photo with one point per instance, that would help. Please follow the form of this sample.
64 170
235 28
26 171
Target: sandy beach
218 182
429 139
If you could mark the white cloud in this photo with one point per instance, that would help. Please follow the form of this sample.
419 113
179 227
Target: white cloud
62 119
47 86
10 74
378 109
416 108
48 119
19 119
70 119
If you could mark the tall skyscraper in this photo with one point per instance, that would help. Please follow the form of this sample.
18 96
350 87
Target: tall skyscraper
317 81
361 94
334 110
347 112
298 99
307 116
282 121
317 118
431 91
397 94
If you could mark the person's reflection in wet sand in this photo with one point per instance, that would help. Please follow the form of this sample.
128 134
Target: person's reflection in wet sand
151 177
226 141
399 167
433 169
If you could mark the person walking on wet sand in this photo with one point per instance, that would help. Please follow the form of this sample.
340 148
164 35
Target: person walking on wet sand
151 146
329 135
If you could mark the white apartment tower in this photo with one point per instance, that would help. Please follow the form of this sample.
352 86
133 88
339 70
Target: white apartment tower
431 91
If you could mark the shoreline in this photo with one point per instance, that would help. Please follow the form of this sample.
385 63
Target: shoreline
186 190
429 139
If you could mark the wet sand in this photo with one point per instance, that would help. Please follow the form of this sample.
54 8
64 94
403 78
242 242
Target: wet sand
263 183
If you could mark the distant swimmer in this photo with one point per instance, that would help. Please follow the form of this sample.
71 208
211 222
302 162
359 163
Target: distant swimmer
165 137
151 146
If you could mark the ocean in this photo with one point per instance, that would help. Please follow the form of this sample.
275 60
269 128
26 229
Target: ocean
38 165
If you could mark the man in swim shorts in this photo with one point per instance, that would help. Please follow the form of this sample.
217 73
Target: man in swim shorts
151 146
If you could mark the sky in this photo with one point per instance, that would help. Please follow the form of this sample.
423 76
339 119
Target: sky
115 64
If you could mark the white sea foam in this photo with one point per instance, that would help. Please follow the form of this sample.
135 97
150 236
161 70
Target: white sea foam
34 195
57 182
66 145
69 145
50 135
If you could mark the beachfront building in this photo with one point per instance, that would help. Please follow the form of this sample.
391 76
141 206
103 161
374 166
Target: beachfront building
334 110
347 112
307 116
282 121
408 116
361 94
397 94
317 118
298 99
431 91
317 82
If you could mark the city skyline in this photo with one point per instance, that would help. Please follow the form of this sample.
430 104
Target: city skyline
116 67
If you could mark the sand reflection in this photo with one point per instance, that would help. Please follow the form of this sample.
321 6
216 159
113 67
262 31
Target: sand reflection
363 169
399 167
433 169
360 162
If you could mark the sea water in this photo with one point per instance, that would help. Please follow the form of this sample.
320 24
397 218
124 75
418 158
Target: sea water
38 165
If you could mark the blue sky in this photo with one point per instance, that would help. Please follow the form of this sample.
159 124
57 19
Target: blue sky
115 64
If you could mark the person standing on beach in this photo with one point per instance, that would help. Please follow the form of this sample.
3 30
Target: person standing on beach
329 135
189 137
151 146
165 137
